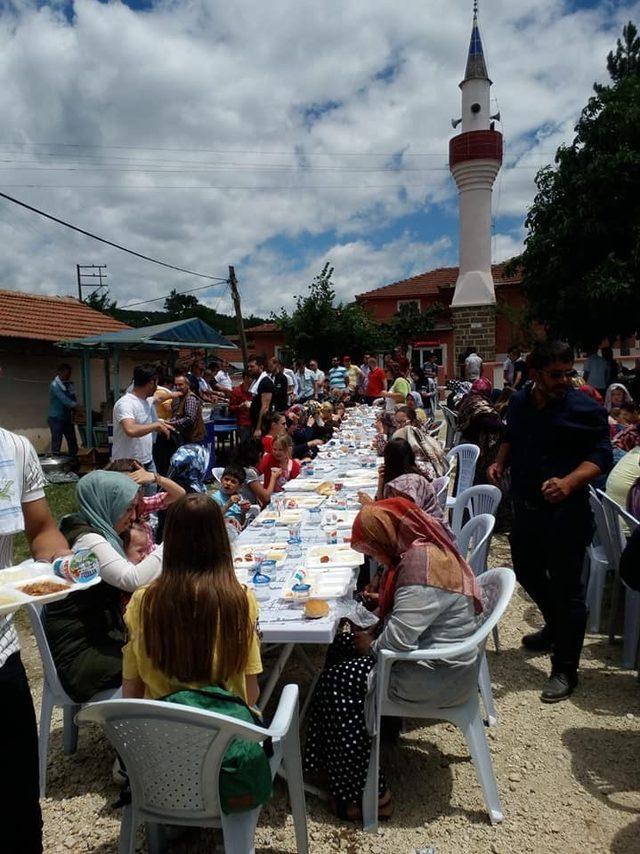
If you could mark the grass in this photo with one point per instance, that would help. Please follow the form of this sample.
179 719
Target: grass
62 500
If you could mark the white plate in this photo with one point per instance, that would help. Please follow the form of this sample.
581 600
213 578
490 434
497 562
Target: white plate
339 555
362 474
14 577
287 517
324 585
305 502
271 553
303 484
343 518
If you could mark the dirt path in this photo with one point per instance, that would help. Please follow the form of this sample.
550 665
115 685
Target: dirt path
569 774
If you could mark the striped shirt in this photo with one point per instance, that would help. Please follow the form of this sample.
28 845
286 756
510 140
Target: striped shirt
31 480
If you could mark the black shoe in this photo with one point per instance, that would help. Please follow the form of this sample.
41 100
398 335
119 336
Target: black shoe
558 687
538 641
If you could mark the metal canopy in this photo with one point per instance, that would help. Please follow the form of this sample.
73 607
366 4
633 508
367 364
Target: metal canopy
191 332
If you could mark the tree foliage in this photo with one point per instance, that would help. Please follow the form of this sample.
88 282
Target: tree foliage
101 301
319 328
580 265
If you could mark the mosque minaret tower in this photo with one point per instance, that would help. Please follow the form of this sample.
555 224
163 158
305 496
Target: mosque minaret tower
475 157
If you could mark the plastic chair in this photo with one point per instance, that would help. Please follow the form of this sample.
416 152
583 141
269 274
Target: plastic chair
497 588
434 429
615 516
473 542
483 498
597 564
173 754
53 694
466 457
451 420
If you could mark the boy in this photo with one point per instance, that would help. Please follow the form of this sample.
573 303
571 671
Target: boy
228 493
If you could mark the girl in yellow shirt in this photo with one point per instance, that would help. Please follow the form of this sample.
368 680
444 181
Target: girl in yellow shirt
195 625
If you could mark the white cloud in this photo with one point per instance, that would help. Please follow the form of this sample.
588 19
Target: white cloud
204 95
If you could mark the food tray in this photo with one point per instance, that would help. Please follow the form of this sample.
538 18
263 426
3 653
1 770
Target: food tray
303 484
339 555
304 502
243 556
370 475
287 517
14 577
344 518
324 585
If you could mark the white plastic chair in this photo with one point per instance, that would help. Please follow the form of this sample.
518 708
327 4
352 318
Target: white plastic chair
497 588
473 543
598 560
615 516
466 457
173 755
483 498
453 433
53 694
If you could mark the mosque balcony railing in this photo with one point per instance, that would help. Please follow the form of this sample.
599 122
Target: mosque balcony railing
475 145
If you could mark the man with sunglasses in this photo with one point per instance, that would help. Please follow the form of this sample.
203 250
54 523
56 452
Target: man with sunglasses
556 443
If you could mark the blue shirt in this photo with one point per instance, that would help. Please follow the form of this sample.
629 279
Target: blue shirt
60 402
555 440
338 377
221 498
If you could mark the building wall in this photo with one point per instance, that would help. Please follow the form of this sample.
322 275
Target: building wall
264 343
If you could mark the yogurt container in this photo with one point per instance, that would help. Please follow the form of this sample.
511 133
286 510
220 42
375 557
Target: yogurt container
80 567
260 584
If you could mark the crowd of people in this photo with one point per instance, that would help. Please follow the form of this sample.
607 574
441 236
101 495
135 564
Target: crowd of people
161 524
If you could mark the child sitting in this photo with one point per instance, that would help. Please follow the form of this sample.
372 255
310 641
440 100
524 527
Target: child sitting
279 463
228 493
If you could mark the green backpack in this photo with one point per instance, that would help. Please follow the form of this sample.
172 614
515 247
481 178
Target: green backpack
245 777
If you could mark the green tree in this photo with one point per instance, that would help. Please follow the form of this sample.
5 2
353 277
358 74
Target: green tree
319 328
179 306
580 266
410 324
101 301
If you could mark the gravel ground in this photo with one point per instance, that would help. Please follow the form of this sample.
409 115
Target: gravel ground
569 774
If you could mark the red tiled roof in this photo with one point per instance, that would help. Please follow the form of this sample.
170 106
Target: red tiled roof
263 327
50 318
433 282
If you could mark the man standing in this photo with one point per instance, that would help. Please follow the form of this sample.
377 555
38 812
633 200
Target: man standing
508 368
353 373
262 390
305 380
240 404
24 508
133 420
376 381
337 376
472 366
556 443
280 400
62 404
223 379
597 372
401 360
186 417
318 379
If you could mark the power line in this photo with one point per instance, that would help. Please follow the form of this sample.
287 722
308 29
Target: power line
178 293
109 242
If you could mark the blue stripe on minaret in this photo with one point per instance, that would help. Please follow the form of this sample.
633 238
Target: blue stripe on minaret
475 48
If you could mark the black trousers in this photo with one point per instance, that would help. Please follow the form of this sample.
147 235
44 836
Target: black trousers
59 429
20 817
548 547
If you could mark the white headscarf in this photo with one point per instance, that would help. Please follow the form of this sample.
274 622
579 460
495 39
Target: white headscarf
613 387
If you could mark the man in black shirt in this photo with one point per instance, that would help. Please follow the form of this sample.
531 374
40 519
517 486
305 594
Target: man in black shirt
262 390
280 385
556 443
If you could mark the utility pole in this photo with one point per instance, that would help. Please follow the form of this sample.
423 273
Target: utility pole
81 276
235 296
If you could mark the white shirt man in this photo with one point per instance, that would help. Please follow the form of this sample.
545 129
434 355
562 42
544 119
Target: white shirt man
318 378
223 379
134 420
292 380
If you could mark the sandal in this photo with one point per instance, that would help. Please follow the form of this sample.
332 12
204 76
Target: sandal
351 811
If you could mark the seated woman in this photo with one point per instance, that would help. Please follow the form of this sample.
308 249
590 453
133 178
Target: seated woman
86 632
428 596
248 455
414 401
400 477
615 396
198 588
188 467
429 453
301 429
279 464
273 424
480 424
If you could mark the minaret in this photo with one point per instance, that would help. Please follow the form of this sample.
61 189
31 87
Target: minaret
475 157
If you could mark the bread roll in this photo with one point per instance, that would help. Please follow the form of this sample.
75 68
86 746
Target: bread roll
316 608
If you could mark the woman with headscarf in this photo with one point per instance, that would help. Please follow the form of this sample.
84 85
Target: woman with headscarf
480 424
188 467
615 396
414 401
86 632
429 453
428 596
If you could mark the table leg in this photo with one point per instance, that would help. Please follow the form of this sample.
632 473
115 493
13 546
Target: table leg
272 681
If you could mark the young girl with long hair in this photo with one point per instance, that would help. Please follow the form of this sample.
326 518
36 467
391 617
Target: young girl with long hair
280 461
196 625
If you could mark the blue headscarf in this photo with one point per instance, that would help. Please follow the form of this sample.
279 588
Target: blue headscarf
188 467
103 497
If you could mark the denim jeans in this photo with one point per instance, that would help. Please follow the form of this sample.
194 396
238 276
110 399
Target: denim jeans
60 428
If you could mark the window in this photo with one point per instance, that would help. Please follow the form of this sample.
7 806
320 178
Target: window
414 302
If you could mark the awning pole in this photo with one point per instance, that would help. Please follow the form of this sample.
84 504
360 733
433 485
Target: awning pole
86 389
116 375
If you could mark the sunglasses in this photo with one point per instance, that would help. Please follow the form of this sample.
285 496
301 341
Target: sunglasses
560 375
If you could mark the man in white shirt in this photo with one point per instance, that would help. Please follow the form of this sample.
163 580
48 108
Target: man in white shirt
318 379
134 421
306 382
472 366
24 508
222 377
508 368
292 381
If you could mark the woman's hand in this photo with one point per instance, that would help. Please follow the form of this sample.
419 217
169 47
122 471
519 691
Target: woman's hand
381 473
141 476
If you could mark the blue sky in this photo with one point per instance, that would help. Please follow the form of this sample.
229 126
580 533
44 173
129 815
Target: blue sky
272 136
